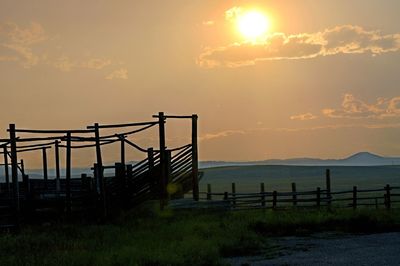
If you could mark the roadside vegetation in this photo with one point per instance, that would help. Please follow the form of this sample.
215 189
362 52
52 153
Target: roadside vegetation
172 237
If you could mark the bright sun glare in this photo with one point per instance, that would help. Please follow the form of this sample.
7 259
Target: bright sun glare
253 24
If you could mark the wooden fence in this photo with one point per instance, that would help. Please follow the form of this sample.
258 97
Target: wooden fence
97 195
384 197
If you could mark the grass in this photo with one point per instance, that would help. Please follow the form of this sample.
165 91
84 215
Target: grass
198 237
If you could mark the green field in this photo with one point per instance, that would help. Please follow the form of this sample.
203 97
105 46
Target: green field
276 177
172 237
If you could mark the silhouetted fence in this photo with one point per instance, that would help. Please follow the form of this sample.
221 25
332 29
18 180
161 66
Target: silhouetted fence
164 173
387 197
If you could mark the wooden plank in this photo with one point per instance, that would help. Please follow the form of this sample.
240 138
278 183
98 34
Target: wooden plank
100 173
57 163
195 166
294 196
262 191
6 170
14 169
68 176
122 125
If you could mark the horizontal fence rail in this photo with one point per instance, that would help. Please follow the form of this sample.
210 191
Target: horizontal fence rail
386 197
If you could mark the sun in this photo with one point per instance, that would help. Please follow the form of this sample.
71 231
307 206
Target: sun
253 24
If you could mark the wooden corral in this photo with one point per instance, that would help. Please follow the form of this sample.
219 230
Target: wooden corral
96 196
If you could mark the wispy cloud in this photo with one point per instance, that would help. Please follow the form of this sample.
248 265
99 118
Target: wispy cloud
221 134
20 44
306 116
345 39
354 108
121 73
233 132
17 43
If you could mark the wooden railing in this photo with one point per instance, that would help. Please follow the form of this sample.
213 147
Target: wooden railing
388 197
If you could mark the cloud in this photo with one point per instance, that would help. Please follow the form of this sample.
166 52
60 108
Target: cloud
356 109
345 39
233 132
64 63
121 73
221 134
17 43
306 116
208 23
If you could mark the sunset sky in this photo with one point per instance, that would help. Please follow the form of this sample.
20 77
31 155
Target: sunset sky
321 80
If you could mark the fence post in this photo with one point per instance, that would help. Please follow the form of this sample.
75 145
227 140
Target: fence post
68 175
25 179
209 197
195 166
45 177
162 185
14 170
262 191
57 162
168 176
387 196
6 170
122 140
84 181
294 194
120 177
234 195
274 199
100 170
328 186
318 197
354 197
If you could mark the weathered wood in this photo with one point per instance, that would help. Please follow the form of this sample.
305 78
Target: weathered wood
68 176
44 155
262 191
328 186
209 196
122 143
233 195
354 197
25 180
274 199
150 172
195 166
14 169
122 125
163 165
57 163
318 197
294 195
388 203
53 131
100 170
6 170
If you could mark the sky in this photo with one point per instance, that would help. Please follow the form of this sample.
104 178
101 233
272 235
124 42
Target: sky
323 81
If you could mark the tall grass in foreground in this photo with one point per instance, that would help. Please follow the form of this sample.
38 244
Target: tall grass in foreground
198 237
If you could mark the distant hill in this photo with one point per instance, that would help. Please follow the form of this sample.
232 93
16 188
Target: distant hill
358 159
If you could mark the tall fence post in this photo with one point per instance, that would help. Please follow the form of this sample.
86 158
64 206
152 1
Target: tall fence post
294 194
354 197
233 195
25 179
14 170
388 202
318 197
57 162
45 177
162 185
209 196
122 143
328 187
262 191
120 176
6 170
100 170
168 175
68 175
195 166
274 199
